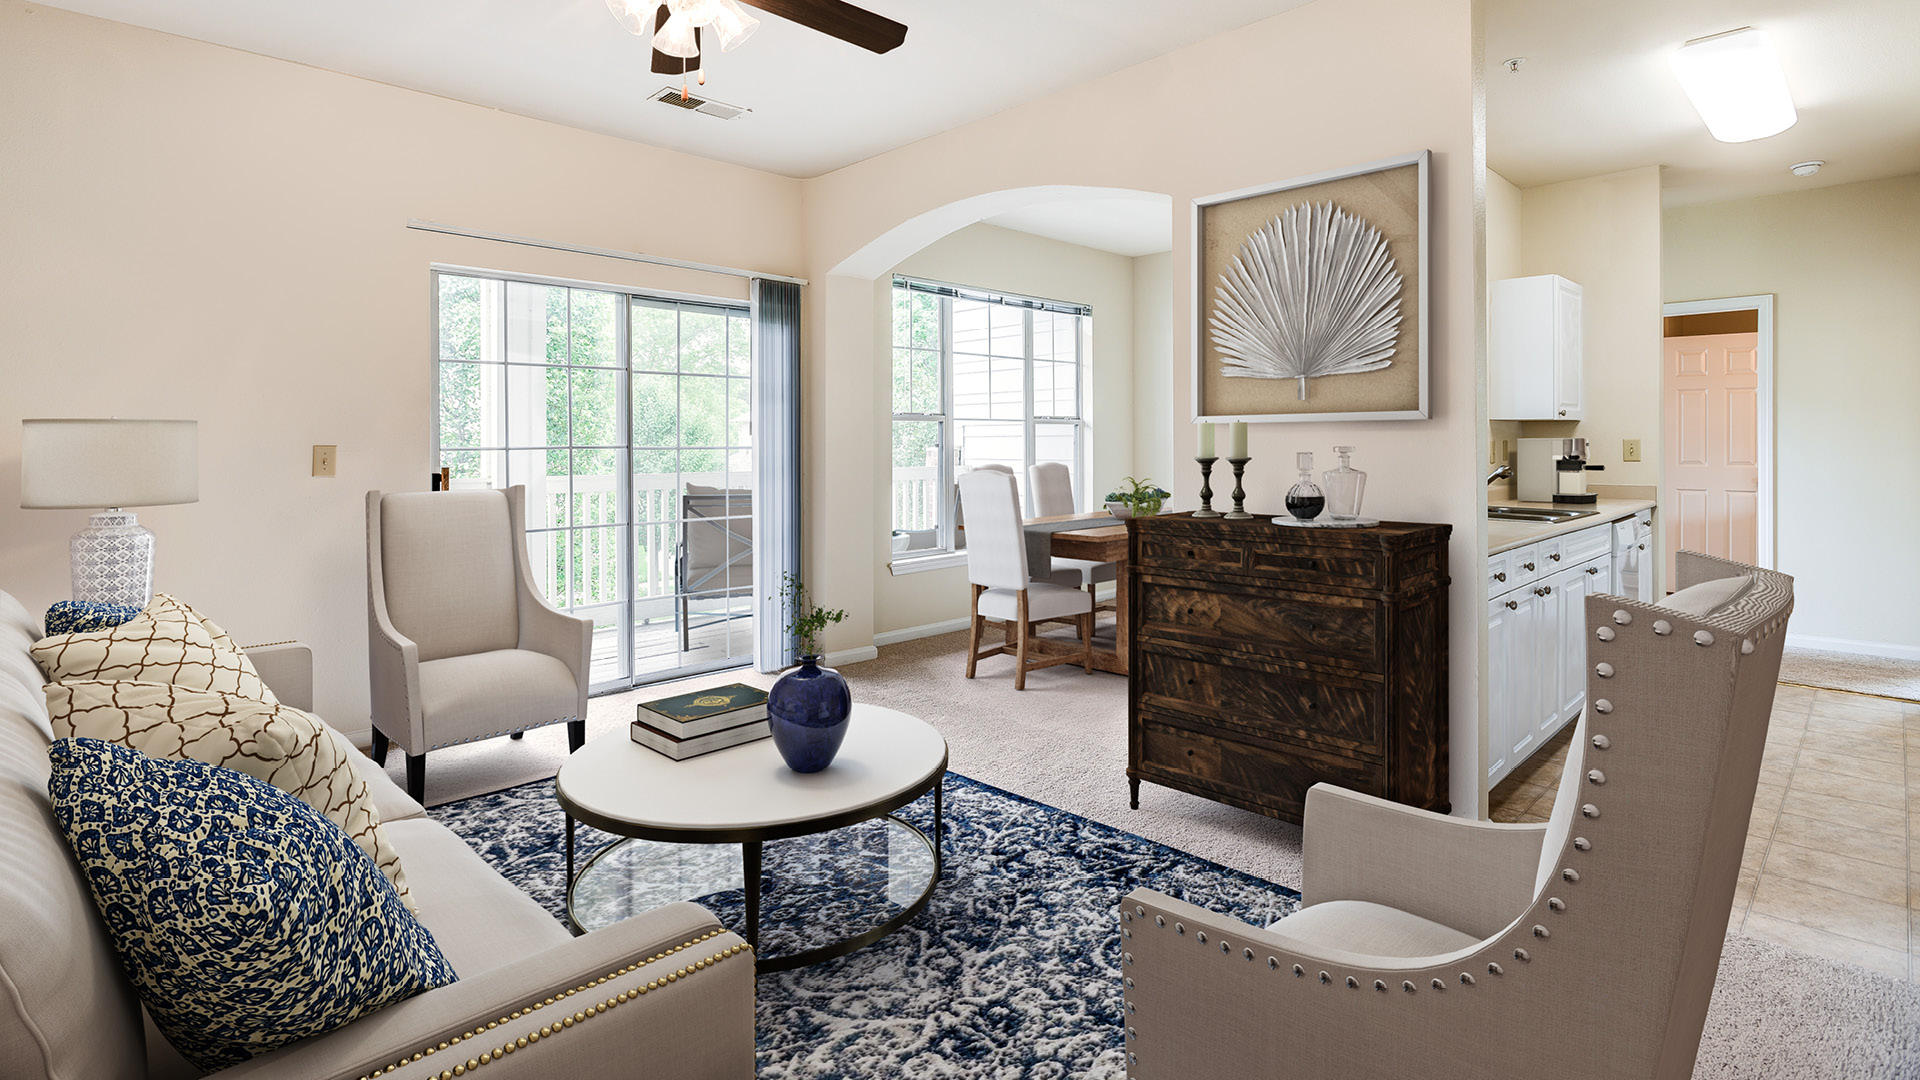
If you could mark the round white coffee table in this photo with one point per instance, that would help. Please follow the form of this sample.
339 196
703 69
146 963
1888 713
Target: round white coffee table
746 795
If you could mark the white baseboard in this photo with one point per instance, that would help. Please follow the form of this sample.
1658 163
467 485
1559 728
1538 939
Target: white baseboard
914 633
1858 648
851 656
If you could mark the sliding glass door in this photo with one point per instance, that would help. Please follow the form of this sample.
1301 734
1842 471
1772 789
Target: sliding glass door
629 420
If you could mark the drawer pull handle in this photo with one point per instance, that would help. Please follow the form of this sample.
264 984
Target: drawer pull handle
1513 604
1643 547
1529 565
1593 569
1555 558
1543 590
1500 575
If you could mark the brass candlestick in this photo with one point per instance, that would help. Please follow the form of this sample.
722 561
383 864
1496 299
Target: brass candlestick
1206 488
1239 512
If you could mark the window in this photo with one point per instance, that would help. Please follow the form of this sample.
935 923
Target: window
979 378
629 420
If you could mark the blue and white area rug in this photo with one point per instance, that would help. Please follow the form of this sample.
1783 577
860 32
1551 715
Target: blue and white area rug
1011 971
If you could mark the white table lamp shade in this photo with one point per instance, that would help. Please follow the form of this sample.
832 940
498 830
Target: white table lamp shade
89 464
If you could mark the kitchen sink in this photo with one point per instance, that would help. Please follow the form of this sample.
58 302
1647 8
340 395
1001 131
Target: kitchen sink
1529 513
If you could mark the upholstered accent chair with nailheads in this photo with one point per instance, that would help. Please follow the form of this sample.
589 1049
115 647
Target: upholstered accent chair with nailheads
461 646
1435 946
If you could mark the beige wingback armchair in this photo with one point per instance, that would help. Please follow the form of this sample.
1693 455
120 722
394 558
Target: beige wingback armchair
1432 946
460 644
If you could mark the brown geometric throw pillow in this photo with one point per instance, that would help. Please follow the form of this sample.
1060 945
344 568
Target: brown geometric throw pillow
290 749
166 643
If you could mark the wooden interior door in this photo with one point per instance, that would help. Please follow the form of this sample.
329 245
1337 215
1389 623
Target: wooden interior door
1711 383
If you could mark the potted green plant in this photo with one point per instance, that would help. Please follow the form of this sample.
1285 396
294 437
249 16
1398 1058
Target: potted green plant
808 709
1141 498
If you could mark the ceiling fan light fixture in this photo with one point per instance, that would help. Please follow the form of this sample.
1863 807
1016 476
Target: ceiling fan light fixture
1736 84
635 15
676 37
732 24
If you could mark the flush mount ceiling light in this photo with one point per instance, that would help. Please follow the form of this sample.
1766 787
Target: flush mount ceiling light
675 26
1736 85
1805 168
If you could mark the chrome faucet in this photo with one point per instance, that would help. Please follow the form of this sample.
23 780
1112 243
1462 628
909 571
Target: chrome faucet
1501 473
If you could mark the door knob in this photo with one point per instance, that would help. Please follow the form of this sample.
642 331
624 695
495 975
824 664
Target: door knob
1643 547
1593 569
1543 590
1563 412
1514 604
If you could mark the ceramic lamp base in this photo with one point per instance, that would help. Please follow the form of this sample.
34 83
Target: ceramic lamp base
112 560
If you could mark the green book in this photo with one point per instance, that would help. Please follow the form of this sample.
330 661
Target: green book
704 711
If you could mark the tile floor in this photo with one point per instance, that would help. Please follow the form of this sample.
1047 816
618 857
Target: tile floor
1833 849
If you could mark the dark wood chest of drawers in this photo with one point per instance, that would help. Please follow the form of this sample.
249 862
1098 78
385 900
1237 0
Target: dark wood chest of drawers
1266 659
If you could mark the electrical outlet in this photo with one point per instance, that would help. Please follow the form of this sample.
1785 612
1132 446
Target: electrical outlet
324 459
1630 450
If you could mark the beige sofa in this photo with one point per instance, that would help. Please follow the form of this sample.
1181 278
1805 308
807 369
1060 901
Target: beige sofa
666 994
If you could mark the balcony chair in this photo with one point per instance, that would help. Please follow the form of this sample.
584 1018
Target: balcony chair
1052 487
460 644
1433 946
1002 589
715 560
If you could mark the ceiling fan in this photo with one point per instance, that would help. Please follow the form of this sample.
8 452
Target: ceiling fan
675 26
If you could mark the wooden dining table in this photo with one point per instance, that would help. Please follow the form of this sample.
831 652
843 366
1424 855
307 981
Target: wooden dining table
1097 543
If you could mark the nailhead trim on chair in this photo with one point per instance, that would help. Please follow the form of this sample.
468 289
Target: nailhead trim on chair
578 1017
506 731
1539 932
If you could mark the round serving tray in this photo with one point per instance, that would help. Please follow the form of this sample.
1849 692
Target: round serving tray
1326 523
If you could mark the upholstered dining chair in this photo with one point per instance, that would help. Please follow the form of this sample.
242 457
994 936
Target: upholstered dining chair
1052 486
1002 587
460 643
1430 946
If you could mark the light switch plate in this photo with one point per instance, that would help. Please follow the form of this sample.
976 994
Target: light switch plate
1629 449
324 459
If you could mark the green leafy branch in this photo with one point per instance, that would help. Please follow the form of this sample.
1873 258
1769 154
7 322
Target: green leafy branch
805 621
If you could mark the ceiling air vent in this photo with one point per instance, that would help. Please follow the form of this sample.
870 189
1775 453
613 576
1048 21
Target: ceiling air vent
671 95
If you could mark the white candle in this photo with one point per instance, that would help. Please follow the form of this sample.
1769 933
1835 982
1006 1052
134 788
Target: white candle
1206 441
1239 440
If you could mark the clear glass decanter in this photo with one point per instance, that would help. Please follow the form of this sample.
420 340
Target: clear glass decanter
1304 499
1346 486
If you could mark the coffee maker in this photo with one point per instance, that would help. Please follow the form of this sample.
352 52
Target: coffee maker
1553 470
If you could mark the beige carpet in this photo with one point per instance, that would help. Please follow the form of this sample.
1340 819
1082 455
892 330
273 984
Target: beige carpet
1776 1012
1851 672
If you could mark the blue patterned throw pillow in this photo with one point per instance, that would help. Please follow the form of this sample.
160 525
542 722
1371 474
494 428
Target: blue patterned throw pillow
244 917
80 616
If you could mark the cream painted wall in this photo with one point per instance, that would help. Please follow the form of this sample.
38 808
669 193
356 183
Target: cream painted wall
989 257
1604 232
1159 444
194 231
1134 129
1843 264
1503 261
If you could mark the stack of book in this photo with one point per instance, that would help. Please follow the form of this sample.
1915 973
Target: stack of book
699 723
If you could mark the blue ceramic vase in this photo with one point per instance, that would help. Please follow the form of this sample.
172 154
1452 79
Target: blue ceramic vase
808 710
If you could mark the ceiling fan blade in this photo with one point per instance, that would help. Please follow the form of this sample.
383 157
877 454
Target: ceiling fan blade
666 64
837 18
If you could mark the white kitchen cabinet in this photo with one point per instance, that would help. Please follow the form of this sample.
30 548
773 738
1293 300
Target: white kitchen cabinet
1515 684
1537 640
1534 359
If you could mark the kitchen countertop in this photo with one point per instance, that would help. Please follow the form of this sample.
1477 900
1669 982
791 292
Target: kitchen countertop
1504 534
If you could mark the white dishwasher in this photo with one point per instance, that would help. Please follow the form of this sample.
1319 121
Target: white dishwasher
1633 557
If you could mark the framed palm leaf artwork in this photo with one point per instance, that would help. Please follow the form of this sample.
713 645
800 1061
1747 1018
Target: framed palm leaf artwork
1310 297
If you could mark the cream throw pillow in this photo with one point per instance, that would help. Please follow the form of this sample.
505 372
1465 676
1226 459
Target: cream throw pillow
166 643
290 749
